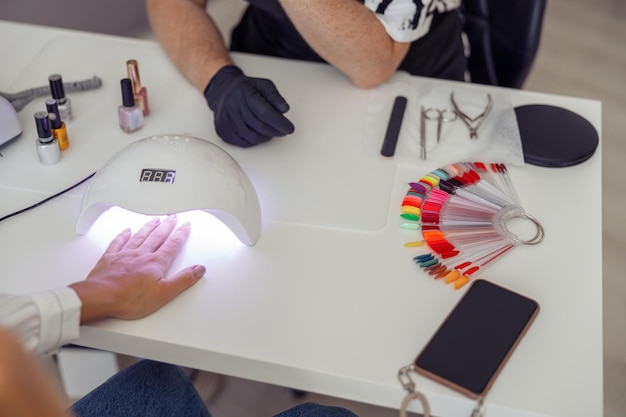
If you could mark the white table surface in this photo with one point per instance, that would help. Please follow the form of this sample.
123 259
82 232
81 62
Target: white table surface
328 300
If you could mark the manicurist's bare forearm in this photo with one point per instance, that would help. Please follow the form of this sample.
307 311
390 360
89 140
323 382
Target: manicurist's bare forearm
348 36
189 37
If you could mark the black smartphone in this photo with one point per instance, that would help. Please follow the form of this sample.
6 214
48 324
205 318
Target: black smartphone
476 339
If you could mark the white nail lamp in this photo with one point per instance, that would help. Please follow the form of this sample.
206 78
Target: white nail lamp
168 174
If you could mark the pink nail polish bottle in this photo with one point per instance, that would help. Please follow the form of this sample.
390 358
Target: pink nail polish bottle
130 115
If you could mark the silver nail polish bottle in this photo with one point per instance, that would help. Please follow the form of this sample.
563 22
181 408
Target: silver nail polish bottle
47 145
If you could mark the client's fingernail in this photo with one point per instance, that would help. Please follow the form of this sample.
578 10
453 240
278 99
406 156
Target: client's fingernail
199 271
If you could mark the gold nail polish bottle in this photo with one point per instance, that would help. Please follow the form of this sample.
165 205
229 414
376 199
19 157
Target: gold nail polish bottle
59 130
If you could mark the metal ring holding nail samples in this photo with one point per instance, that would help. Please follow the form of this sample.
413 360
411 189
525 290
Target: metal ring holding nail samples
518 212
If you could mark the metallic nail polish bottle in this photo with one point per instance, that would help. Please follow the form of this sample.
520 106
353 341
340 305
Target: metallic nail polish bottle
47 145
140 92
130 115
59 130
58 93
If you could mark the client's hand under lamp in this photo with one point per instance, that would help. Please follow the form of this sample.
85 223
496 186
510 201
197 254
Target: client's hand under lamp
128 282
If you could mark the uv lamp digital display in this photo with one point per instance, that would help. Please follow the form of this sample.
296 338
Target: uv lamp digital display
166 174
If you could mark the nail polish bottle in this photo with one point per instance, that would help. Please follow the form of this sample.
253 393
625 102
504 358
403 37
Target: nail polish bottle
58 93
130 115
59 130
47 145
140 92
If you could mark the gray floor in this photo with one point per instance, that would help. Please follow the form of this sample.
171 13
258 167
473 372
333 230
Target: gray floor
583 54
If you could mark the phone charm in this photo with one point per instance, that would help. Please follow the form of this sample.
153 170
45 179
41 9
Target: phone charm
479 409
409 386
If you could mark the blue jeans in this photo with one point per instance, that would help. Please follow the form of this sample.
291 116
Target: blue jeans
315 410
146 388
150 388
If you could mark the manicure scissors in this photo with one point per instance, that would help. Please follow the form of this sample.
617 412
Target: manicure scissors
441 116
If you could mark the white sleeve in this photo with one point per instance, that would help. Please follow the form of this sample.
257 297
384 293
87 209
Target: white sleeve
43 321
408 20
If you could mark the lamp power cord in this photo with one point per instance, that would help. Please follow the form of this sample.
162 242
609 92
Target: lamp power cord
45 200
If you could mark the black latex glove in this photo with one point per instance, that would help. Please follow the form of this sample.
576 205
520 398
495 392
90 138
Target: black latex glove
247 111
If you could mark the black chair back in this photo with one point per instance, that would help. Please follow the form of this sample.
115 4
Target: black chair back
504 39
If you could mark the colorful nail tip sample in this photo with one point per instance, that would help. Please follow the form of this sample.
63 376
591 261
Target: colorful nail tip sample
461 211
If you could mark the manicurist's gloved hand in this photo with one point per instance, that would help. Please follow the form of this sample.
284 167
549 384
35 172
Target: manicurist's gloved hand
247 111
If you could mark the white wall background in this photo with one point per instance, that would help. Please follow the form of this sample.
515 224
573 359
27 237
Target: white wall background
114 17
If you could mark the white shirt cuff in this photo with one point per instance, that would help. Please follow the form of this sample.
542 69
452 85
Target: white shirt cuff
59 311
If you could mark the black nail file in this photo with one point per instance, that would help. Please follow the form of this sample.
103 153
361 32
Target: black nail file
393 128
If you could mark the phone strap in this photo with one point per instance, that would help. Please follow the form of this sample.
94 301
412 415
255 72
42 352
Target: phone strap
407 383
412 394
479 409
